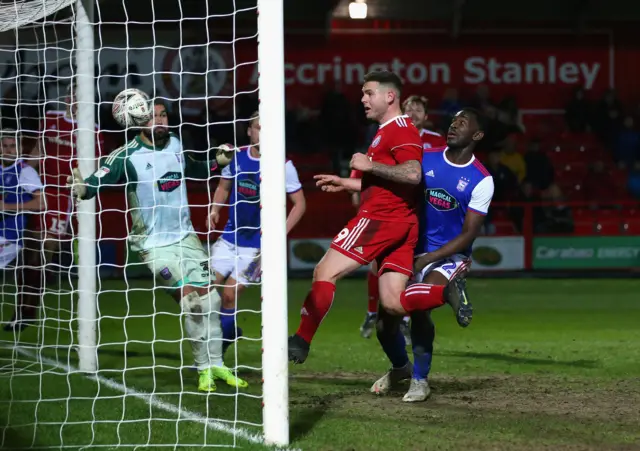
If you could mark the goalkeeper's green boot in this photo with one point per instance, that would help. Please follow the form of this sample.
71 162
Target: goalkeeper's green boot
225 374
206 381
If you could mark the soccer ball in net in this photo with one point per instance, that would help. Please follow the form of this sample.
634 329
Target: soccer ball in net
131 108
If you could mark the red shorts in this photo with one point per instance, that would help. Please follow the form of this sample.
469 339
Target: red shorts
390 244
58 205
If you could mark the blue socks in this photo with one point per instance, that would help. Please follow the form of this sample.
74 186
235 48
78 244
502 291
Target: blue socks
229 330
394 347
423 333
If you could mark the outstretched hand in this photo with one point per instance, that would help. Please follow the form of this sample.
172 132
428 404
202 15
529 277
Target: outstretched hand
77 185
329 183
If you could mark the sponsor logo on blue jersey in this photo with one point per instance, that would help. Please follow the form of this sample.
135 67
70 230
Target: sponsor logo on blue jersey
440 199
249 189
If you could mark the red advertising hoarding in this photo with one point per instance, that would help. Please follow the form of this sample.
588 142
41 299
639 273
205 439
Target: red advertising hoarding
541 71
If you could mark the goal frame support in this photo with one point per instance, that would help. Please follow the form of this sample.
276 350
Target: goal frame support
86 156
273 202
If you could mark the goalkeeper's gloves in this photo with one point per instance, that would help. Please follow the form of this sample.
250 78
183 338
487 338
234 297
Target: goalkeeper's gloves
77 185
224 155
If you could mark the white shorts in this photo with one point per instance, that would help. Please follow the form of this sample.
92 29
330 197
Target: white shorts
179 264
447 267
241 263
9 251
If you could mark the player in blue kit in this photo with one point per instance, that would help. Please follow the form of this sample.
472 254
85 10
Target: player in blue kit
235 256
458 191
20 198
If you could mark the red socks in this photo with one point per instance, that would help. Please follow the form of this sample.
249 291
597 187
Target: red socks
374 294
422 296
315 308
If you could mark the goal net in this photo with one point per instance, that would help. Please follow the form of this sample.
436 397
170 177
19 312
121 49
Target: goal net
96 348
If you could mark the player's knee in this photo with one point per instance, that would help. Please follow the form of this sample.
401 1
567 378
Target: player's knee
391 304
191 304
386 326
323 273
390 301
229 298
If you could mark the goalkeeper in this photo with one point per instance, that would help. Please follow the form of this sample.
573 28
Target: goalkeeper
152 168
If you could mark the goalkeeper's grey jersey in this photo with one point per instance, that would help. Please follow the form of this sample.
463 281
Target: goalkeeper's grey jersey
154 179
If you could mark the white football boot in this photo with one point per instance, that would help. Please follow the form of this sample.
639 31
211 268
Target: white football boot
392 379
418 391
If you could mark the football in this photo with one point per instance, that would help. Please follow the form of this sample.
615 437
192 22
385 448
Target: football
132 108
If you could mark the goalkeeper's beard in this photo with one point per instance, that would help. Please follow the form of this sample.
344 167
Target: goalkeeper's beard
159 137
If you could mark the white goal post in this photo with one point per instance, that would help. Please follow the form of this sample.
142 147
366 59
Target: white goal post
274 242
85 321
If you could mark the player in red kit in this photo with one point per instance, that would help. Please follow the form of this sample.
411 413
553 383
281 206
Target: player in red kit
385 229
57 147
55 156
416 108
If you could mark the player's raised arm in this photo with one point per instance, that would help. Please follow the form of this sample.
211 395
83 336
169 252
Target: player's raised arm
201 169
334 184
221 194
110 173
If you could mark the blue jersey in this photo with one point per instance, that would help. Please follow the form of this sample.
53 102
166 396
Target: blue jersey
17 184
450 191
243 227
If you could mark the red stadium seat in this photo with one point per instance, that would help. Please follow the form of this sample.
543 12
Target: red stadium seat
584 214
504 227
631 226
608 227
583 228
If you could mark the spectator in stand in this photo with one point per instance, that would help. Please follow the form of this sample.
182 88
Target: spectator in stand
338 126
528 194
555 218
496 131
512 159
481 99
509 115
505 181
607 117
505 184
449 106
627 144
558 217
633 183
540 170
597 178
578 112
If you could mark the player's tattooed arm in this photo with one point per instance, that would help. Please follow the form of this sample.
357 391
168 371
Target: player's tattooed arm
470 230
409 172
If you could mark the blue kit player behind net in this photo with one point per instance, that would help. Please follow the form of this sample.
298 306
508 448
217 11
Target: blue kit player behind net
458 191
20 200
235 256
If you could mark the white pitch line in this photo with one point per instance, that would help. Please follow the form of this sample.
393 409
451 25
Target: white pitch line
149 399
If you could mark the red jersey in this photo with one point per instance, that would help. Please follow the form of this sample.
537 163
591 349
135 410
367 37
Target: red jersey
396 142
432 139
59 151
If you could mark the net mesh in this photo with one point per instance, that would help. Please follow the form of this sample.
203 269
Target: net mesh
145 390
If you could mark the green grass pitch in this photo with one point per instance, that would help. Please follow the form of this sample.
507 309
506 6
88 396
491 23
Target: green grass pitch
546 364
